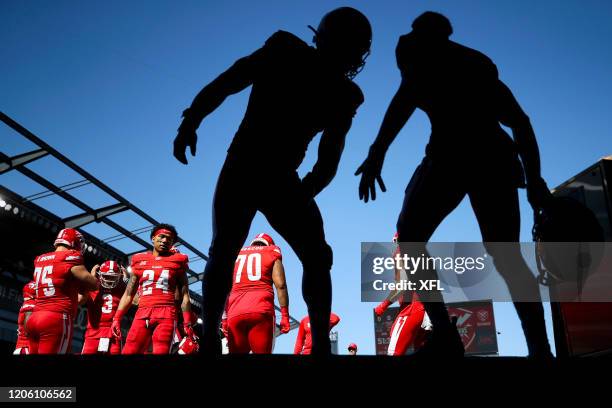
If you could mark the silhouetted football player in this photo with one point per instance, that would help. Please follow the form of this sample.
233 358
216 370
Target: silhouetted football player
297 92
468 154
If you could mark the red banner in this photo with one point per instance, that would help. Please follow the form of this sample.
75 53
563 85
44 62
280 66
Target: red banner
475 323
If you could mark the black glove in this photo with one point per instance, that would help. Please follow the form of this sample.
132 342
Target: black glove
186 137
537 193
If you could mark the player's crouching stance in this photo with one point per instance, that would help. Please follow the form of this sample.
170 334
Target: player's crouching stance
156 276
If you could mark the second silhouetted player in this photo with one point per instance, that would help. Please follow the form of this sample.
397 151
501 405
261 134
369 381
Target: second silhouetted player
468 154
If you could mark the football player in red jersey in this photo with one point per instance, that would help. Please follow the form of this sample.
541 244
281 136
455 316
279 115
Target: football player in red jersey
297 92
303 342
411 323
101 308
250 307
59 277
352 349
29 300
156 276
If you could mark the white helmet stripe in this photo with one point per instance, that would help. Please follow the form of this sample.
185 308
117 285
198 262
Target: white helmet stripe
262 240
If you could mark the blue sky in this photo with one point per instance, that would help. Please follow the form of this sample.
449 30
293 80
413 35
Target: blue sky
105 83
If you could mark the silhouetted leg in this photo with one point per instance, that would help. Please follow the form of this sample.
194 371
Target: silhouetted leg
232 217
497 211
299 222
431 195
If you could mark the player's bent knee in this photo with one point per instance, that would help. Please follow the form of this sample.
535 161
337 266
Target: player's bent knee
321 259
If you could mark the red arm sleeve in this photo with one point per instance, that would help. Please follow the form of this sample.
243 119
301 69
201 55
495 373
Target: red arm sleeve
299 342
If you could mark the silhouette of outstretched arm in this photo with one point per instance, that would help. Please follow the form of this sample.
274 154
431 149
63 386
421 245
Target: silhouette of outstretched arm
512 115
400 109
330 150
238 77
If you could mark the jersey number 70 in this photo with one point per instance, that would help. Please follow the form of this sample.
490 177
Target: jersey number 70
253 266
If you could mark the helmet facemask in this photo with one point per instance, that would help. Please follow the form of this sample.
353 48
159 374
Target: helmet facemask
344 37
110 273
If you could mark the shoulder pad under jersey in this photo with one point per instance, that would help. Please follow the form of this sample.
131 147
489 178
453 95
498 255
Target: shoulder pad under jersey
275 249
142 256
355 95
285 40
402 51
71 256
178 257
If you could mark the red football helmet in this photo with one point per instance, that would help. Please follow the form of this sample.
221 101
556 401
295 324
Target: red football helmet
110 273
29 291
188 346
395 238
263 239
71 238
352 346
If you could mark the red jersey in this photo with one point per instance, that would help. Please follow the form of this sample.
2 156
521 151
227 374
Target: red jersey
406 298
157 277
29 297
29 300
102 305
252 285
303 343
56 287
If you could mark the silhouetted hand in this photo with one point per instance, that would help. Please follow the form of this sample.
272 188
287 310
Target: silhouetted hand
370 171
537 193
186 137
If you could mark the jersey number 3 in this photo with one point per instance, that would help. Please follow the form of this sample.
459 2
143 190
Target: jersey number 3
107 307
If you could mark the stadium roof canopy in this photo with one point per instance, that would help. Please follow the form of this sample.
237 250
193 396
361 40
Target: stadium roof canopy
82 201
86 202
